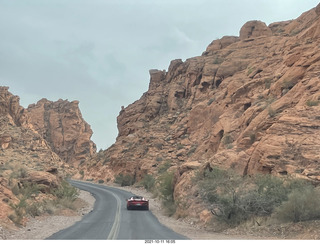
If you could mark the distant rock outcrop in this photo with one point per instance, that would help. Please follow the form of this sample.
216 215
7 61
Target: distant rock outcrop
10 107
61 124
254 29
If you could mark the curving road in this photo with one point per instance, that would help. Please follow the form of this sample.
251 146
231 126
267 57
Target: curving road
111 220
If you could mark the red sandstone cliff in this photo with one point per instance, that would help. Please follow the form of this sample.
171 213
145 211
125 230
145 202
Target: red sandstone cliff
61 124
250 103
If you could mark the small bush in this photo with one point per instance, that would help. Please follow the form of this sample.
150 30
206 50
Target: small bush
26 190
252 138
164 167
148 182
180 146
311 103
192 150
221 189
302 205
124 180
235 199
267 194
227 139
272 113
35 209
166 189
19 212
211 101
66 191
100 181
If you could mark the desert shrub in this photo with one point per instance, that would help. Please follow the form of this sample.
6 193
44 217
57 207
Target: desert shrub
29 189
19 211
26 190
35 209
148 182
235 199
227 139
15 190
19 173
49 206
64 203
192 150
65 195
124 180
100 181
220 188
311 103
166 189
159 159
180 146
302 205
271 112
164 167
211 101
252 138
65 191
267 193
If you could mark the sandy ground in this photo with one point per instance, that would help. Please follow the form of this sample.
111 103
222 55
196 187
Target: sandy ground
42 227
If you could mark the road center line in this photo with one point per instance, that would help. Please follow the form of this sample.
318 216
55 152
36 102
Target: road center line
116 224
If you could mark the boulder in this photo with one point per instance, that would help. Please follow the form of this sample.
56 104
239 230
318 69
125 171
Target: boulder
253 29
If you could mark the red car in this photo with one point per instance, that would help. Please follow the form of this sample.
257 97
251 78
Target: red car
137 202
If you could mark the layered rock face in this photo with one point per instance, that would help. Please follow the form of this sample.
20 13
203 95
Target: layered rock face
251 103
61 124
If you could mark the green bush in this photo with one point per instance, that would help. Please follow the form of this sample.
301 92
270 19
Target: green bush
164 167
66 191
166 189
65 195
19 211
220 188
35 209
148 182
235 199
311 103
100 181
124 180
302 205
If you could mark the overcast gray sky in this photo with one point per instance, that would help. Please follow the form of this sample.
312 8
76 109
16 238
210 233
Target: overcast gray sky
100 51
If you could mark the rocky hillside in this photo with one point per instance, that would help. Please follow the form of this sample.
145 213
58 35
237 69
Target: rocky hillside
25 156
250 103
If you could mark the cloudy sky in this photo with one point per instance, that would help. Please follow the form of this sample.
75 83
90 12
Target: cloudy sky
99 52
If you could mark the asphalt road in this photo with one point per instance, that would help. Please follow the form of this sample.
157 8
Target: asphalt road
111 220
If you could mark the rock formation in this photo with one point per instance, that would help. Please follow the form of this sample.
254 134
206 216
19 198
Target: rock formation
61 124
25 156
39 146
251 103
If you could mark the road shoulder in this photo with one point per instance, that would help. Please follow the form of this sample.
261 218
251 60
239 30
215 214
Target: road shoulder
39 228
